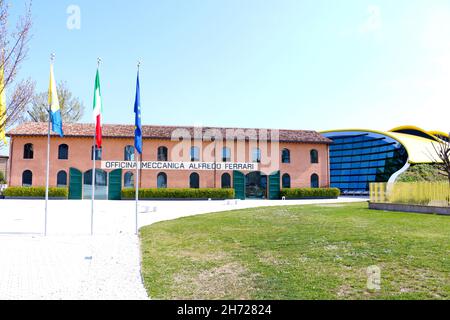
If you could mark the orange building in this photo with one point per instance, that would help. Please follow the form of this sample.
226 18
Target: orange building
284 159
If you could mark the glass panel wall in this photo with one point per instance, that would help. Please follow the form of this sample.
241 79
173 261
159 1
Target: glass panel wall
359 158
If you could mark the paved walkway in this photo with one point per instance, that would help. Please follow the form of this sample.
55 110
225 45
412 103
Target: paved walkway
70 264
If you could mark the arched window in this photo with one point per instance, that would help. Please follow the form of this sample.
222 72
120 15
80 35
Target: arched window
162 180
226 154
129 153
286 156
314 181
98 153
28 151
286 180
256 155
163 154
128 180
226 181
195 154
314 156
61 179
63 152
194 181
27 178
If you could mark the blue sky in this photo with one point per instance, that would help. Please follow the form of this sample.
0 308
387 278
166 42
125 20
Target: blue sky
253 63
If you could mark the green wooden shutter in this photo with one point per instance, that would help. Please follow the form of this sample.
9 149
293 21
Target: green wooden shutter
274 186
239 184
115 185
75 184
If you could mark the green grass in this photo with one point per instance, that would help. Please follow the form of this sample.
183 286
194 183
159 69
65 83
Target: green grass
298 252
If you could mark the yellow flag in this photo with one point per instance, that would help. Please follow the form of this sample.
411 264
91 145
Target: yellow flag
2 104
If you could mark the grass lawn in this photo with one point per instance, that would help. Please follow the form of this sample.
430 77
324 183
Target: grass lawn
298 252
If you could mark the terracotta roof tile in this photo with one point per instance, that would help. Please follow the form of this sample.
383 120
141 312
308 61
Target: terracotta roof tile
157 132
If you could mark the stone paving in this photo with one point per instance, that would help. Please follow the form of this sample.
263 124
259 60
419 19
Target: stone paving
70 264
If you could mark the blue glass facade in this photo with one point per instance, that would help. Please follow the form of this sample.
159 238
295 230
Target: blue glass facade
358 158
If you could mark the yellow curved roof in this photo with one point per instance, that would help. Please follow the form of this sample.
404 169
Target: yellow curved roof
420 150
414 128
440 133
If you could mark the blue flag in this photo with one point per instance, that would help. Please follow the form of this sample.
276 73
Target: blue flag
138 123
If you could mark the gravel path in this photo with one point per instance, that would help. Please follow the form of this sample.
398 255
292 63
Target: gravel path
69 264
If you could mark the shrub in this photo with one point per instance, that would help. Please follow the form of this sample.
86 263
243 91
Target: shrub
216 194
305 193
422 173
2 178
35 192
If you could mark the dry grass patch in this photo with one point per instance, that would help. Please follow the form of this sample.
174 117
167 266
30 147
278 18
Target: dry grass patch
196 256
271 258
229 281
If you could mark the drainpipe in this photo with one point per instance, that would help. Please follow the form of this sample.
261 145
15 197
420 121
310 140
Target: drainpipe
10 160
142 159
328 166
215 163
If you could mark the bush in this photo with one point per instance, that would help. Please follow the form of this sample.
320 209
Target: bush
305 193
422 173
216 194
35 192
2 178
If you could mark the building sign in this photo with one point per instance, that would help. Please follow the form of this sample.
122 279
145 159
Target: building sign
180 166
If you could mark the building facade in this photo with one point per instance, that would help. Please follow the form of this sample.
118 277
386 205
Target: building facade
359 157
285 158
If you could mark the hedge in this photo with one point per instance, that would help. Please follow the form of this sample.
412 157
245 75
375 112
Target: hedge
305 193
35 192
216 194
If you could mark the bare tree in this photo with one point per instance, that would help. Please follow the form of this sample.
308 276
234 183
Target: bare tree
442 149
71 108
14 49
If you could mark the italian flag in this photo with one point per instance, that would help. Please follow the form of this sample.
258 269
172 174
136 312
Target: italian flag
98 109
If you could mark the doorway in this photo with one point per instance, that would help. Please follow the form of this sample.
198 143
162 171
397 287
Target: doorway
256 186
101 185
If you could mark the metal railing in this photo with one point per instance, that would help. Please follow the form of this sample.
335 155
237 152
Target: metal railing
418 193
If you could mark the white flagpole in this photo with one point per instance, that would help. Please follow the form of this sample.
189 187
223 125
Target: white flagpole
52 58
137 179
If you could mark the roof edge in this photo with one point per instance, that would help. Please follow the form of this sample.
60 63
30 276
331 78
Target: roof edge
390 135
